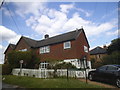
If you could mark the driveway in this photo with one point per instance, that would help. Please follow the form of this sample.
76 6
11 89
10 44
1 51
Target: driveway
98 83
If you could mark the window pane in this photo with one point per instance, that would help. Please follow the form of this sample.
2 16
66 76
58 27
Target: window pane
112 68
23 50
41 50
45 49
67 45
103 68
85 48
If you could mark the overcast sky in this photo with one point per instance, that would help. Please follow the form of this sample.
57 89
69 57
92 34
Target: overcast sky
35 19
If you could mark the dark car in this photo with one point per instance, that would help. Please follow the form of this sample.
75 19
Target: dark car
110 73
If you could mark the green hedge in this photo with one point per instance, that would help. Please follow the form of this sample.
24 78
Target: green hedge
6 69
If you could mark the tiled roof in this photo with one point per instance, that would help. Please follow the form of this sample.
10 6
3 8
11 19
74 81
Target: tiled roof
59 38
30 42
98 50
53 40
11 46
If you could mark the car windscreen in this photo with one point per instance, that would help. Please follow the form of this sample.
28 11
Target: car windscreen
117 66
102 68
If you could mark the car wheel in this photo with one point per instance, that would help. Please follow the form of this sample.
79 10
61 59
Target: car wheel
90 77
118 82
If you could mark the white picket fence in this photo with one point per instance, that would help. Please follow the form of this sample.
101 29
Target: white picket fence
48 73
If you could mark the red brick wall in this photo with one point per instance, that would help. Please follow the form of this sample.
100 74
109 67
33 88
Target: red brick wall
80 43
22 45
9 49
58 52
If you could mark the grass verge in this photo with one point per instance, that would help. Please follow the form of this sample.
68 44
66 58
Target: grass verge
30 82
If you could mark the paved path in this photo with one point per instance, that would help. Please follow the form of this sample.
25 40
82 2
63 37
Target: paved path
99 83
4 85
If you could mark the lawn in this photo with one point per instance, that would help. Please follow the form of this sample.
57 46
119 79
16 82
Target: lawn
30 82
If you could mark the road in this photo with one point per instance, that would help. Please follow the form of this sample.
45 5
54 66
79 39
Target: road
8 86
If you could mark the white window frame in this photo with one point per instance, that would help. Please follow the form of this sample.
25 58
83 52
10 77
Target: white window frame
23 50
69 43
41 50
86 49
45 49
43 65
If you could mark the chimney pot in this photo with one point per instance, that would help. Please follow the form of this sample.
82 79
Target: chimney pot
46 36
104 46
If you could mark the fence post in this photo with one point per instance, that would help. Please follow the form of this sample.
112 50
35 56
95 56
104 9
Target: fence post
67 74
84 59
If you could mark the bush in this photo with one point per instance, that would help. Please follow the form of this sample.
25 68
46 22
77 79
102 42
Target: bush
113 58
6 69
63 65
96 64
114 46
29 58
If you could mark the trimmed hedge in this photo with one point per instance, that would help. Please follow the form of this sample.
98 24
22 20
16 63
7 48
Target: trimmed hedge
6 69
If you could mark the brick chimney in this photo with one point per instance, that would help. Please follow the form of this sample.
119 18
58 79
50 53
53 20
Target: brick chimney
46 36
104 46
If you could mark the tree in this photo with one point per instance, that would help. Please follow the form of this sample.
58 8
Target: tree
6 69
113 58
114 46
29 58
113 50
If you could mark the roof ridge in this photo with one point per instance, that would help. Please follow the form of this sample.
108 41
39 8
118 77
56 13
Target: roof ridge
71 35
11 44
28 38
98 50
59 35
59 38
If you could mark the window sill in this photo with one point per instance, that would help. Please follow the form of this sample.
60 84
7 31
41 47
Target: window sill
66 48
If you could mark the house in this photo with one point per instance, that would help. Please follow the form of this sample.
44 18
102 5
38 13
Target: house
68 47
10 48
98 53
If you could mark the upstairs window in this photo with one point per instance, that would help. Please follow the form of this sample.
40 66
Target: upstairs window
23 50
67 45
45 49
86 49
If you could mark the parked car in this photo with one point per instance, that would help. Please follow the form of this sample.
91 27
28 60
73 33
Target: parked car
110 73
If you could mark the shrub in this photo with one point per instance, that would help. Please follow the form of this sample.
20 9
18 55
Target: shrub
113 58
63 65
29 58
96 64
6 69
